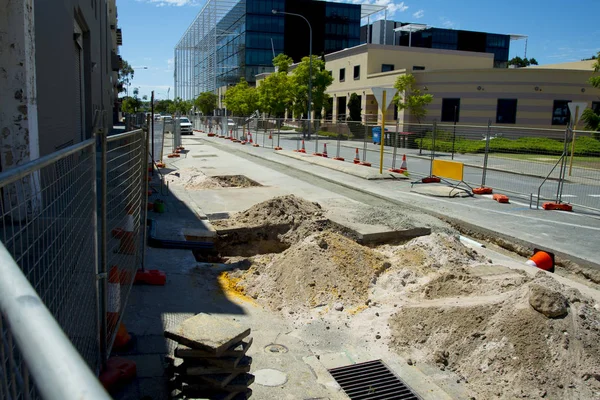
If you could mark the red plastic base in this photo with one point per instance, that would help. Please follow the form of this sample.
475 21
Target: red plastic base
500 198
150 277
557 206
117 373
318 154
243 142
150 206
396 170
483 190
431 179
278 148
356 161
255 145
339 158
211 135
302 151
365 164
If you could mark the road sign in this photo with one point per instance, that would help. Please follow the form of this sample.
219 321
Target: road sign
573 105
378 93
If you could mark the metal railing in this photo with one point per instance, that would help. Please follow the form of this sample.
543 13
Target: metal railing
76 263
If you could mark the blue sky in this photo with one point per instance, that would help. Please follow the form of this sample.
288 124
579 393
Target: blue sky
558 30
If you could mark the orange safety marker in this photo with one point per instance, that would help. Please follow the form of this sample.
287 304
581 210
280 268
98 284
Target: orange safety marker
557 206
356 157
303 149
542 260
403 168
325 150
483 190
500 198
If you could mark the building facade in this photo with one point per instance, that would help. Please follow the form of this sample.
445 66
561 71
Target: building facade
60 61
465 86
229 40
390 33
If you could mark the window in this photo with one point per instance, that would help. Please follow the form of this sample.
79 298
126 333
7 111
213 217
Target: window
450 110
342 74
560 112
596 107
418 68
387 67
506 112
357 72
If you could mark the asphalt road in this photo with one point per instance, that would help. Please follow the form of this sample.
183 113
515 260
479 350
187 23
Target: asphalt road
514 184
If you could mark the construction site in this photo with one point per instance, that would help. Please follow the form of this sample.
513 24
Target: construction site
322 291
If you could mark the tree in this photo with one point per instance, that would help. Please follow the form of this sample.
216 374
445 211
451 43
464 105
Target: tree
321 79
592 121
522 62
282 63
275 93
162 106
206 102
354 107
241 99
131 105
410 98
125 76
180 105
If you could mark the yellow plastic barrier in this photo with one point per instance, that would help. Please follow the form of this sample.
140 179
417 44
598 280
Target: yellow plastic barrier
448 169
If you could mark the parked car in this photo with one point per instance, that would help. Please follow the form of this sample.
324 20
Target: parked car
186 126
157 117
167 119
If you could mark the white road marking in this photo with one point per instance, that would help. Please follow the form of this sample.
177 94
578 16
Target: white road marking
594 195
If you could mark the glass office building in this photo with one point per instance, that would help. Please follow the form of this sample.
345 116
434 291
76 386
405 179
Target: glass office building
232 39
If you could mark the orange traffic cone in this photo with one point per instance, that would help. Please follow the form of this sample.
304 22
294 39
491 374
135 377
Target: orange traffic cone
402 168
325 150
542 260
127 244
270 136
114 297
356 157
250 136
303 149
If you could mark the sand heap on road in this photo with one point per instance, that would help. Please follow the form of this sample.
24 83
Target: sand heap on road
191 179
324 269
531 342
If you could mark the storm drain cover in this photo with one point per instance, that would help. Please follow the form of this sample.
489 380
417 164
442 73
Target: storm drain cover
371 380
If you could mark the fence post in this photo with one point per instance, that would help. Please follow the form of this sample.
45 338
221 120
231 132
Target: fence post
144 186
310 122
563 166
433 135
395 145
102 276
365 143
279 132
487 152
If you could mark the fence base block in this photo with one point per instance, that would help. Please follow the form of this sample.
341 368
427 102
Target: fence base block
211 135
255 145
500 198
278 148
483 190
117 373
431 179
318 154
365 164
339 158
557 206
397 170
150 277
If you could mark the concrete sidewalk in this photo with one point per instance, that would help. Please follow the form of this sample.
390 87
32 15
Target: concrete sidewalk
573 236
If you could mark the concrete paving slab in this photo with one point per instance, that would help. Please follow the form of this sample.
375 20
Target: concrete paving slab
359 171
439 190
212 333
243 366
237 350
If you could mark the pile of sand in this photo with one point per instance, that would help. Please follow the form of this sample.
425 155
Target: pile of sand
503 347
399 218
324 269
278 210
191 179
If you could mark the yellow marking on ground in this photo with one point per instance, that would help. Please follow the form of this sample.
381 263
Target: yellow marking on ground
232 289
357 310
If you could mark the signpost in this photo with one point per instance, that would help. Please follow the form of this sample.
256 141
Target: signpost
574 108
383 96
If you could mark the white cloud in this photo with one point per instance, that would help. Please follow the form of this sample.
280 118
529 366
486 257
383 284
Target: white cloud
392 7
448 24
419 14
170 64
176 3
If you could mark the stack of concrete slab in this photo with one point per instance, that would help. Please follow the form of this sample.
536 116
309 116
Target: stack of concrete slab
210 360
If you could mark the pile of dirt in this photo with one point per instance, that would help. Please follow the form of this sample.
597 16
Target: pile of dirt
503 347
324 269
280 210
432 253
395 217
191 179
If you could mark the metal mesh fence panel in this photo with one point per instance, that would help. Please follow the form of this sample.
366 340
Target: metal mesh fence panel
125 169
48 225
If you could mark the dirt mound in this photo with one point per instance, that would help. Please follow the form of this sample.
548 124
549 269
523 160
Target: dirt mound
503 348
278 210
191 179
324 269
398 218
431 253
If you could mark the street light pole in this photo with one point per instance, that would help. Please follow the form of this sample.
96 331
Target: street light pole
309 67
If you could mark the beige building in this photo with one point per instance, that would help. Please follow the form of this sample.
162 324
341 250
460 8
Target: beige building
464 83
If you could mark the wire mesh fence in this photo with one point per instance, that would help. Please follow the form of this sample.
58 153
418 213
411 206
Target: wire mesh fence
48 225
126 164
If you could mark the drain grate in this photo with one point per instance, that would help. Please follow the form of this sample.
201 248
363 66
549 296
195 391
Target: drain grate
372 380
